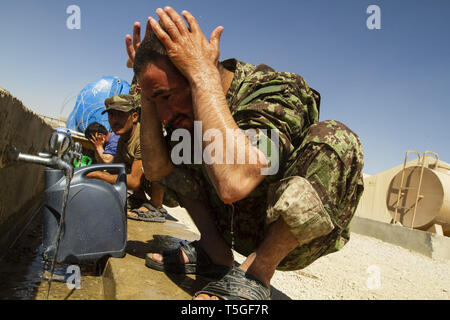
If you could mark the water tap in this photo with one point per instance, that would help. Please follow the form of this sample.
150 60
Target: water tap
61 153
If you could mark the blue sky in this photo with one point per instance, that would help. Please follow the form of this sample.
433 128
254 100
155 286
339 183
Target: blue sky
389 86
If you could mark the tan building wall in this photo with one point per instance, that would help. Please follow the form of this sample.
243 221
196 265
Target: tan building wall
21 185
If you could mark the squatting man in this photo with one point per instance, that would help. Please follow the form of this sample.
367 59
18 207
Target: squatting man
282 221
123 117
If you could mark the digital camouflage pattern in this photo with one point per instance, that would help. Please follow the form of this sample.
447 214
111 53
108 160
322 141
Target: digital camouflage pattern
135 89
319 182
330 158
121 102
292 195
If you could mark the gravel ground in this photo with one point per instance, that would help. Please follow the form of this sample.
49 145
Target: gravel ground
365 269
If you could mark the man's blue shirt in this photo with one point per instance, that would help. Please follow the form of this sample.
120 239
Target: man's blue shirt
111 145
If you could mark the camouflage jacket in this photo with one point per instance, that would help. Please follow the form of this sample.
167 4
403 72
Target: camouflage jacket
258 98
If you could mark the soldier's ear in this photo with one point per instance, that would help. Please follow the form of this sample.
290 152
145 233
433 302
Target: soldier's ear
135 116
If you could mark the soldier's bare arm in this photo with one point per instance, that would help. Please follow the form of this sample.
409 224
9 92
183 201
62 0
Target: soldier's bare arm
196 58
155 155
156 162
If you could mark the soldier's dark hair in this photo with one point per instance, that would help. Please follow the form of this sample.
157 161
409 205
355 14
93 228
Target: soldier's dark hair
150 50
94 128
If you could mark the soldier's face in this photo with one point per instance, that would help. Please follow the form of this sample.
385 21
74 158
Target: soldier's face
121 122
170 92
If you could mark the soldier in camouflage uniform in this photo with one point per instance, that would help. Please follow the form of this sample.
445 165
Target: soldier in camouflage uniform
286 220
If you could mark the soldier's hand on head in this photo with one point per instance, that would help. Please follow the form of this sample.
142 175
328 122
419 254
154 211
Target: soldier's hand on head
131 44
187 48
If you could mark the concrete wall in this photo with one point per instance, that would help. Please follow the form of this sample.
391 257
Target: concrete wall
426 243
21 185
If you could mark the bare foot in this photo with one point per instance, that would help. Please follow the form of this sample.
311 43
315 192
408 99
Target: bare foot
158 257
206 297
226 259
134 214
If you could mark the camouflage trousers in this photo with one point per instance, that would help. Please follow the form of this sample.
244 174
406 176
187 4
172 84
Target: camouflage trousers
316 196
330 160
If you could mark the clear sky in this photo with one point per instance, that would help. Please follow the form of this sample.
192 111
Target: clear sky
389 85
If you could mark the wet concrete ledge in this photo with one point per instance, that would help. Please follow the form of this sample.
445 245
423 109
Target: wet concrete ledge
128 278
426 243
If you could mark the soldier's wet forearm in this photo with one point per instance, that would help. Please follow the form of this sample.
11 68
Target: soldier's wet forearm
234 180
155 155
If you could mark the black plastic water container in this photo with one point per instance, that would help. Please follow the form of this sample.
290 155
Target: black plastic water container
95 224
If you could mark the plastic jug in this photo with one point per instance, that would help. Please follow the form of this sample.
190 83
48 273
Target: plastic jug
95 222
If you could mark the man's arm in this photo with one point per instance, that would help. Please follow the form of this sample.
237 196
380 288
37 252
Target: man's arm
155 154
196 58
133 179
98 142
234 181
103 157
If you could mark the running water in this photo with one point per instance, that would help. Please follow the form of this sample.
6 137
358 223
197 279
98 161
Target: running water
69 174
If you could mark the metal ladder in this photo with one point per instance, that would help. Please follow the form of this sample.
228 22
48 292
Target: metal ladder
421 162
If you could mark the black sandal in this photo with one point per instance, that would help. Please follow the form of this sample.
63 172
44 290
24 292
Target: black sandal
199 261
152 215
236 285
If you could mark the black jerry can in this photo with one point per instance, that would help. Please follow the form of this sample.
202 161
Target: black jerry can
95 224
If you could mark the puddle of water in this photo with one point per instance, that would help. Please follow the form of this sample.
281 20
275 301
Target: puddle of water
22 266
24 274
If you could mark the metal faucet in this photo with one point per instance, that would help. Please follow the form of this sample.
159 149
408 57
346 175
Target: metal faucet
61 155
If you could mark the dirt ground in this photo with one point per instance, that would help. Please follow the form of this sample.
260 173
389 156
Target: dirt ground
365 269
